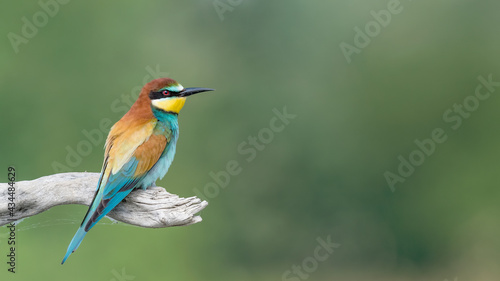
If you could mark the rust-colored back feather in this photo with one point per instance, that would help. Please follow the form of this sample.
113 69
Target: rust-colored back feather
149 152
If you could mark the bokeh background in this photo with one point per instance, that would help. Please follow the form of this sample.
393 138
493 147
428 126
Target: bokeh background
321 176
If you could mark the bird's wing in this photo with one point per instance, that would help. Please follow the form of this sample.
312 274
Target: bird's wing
130 154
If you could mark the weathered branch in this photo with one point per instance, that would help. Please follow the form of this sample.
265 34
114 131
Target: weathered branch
153 207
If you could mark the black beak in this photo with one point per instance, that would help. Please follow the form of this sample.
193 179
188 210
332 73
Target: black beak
191 91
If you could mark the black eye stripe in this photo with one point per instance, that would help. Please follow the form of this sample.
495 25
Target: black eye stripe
159 95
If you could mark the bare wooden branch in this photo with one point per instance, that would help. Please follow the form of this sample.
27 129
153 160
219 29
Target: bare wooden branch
154 207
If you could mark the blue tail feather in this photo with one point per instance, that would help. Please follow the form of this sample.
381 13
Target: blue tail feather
91 221
75 242
80 233
116 188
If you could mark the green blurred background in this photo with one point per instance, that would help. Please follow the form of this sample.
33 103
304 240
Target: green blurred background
322 176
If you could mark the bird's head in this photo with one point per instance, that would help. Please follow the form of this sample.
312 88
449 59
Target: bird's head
168 95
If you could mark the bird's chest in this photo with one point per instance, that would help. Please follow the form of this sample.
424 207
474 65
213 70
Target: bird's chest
169 128
161 167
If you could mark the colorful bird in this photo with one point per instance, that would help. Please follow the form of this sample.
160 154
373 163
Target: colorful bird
139 149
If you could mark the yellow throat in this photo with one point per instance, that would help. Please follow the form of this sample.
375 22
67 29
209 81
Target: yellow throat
173 105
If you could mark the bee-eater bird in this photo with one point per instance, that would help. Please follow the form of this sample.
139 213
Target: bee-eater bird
139 149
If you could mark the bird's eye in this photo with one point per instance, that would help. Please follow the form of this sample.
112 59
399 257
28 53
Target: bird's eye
166 93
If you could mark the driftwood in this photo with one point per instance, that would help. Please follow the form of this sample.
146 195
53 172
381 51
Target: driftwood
153 207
